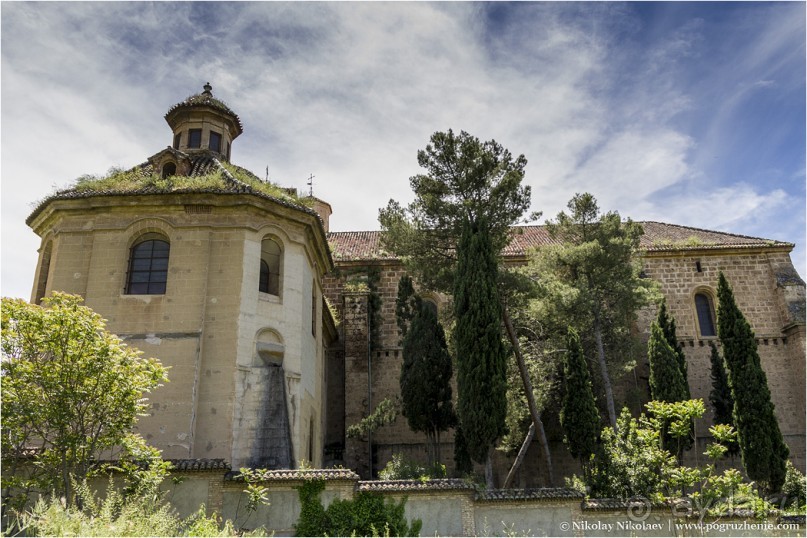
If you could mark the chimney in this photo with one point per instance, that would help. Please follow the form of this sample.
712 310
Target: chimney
324 211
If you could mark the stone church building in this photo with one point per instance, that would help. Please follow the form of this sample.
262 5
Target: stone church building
279 334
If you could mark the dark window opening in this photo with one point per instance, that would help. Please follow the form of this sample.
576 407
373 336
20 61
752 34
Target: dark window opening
177 140
169 169
228 151
215 142
269 281
148 268
706 317
313 309
698 267
429 304
195 138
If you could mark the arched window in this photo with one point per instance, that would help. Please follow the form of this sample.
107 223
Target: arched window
271 256
706 314
430 304
169 169
148 266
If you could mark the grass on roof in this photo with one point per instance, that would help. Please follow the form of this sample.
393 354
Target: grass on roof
136 179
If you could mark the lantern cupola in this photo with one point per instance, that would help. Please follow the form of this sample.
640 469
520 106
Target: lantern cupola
203 123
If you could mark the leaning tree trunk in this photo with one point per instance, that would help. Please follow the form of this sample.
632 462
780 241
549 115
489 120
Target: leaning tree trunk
519 457
606 379
536 417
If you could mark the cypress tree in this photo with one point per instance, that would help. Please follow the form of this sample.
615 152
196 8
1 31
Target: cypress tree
426 379
481 375
720 395
406 304
578 415
666 383
667 324
764 452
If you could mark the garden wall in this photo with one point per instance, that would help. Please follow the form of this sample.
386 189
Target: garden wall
454 507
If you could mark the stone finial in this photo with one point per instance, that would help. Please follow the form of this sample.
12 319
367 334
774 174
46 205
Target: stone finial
208 89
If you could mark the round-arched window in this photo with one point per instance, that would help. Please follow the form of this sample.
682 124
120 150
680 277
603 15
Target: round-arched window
148 266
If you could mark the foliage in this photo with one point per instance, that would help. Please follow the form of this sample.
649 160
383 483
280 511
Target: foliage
365 515
631 462
591 281
481 380
579 416
466 180
795 488
70 390
384 413
764 452
139 178
462 459
425 379
119 515
112 516
720 395
667 383
667 324
407 304
400 468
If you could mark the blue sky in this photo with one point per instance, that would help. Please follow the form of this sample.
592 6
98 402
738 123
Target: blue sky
689 113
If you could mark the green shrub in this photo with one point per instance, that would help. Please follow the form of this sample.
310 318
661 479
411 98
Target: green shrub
400 468
365 515
794 488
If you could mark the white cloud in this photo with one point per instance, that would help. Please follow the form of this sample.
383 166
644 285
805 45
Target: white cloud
350 92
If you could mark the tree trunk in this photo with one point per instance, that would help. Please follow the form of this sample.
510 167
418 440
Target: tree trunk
525 378
606 379
489 470
519 457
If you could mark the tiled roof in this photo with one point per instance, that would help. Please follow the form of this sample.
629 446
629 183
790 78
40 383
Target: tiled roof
298 474
205 99
200 465
657 237
636 506
546 494
201 164
415 485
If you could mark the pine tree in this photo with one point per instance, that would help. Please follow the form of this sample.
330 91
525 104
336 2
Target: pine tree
426 379
764 452
480 353
591 281
578 415
720 395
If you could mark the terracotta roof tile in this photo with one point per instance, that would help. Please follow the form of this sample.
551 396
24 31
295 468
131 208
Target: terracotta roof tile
298 474
200 465
658 237
415 485
548 494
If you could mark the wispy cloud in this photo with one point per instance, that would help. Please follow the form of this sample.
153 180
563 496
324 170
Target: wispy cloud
660 110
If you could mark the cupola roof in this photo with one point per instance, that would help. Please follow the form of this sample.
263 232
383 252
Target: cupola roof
200 101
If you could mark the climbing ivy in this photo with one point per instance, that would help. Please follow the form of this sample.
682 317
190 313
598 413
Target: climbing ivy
367 514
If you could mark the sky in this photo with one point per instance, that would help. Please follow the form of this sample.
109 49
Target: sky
686 113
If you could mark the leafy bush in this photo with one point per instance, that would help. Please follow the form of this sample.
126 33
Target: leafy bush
794 488
365 515
399 468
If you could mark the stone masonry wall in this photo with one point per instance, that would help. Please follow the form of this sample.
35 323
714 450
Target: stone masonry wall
768 291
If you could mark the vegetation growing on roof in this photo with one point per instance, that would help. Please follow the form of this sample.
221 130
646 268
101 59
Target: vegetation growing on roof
692 241
141 177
